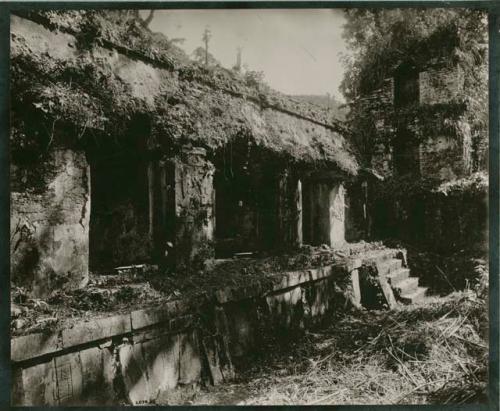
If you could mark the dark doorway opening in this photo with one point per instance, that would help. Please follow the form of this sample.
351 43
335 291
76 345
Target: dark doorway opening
245 204
120 209
406 86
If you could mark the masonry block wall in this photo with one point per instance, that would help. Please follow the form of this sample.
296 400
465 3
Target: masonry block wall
440 84
324 213
50 222
447 155
177 191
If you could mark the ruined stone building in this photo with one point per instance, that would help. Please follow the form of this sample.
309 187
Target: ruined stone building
422 127
124 155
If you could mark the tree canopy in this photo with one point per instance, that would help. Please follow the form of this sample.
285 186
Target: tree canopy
379 39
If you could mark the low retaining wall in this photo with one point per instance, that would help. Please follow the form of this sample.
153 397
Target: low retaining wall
141 356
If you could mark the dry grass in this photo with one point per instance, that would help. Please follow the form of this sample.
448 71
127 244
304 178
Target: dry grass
436 353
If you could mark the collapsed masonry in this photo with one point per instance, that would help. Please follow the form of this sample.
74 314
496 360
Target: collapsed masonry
423 128
119 157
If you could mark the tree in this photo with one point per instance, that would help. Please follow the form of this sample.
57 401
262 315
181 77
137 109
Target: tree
203 58
207 35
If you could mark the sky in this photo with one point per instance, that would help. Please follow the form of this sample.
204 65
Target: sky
298 50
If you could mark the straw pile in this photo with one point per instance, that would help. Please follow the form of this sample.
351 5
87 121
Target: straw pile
435 353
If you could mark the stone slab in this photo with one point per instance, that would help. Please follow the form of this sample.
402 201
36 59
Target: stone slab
133 369
320 272
39 385
150 316
190 358
293 278
98 372
162 361
34 345
69 377
96 330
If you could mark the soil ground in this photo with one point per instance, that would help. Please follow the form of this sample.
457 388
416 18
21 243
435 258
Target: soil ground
433 353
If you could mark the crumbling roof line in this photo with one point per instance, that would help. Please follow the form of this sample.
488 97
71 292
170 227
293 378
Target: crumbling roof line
169 66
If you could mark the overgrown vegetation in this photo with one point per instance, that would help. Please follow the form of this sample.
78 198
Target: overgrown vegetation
109 292
380 40
436 353
190 104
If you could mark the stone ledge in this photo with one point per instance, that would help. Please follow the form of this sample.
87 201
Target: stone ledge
96 330
34 345
174 314
149 316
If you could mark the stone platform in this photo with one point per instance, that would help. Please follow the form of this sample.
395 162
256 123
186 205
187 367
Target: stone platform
135 357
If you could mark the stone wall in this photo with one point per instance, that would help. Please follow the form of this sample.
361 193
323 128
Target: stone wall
194 207
324 213
140 357
446 155
50 222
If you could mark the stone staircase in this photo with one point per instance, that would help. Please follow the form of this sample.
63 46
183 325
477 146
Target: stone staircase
405 288
396 281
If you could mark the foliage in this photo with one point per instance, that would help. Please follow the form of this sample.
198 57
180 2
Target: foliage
475 183
380 40
254 78
199 56
408 187
192 105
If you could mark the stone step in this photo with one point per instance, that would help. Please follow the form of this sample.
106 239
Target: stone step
378 256
397 276
389 266
406 286
414 297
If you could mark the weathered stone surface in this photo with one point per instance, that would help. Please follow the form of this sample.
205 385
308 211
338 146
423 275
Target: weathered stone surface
149 316
241 321
317 297
96 330
355 287
387 291
324 213
39 385
293 278
162 359
286 308
440 84
69 375
194 207
98 373
190 358
216 352
34 345
320 272
50 229
133 368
